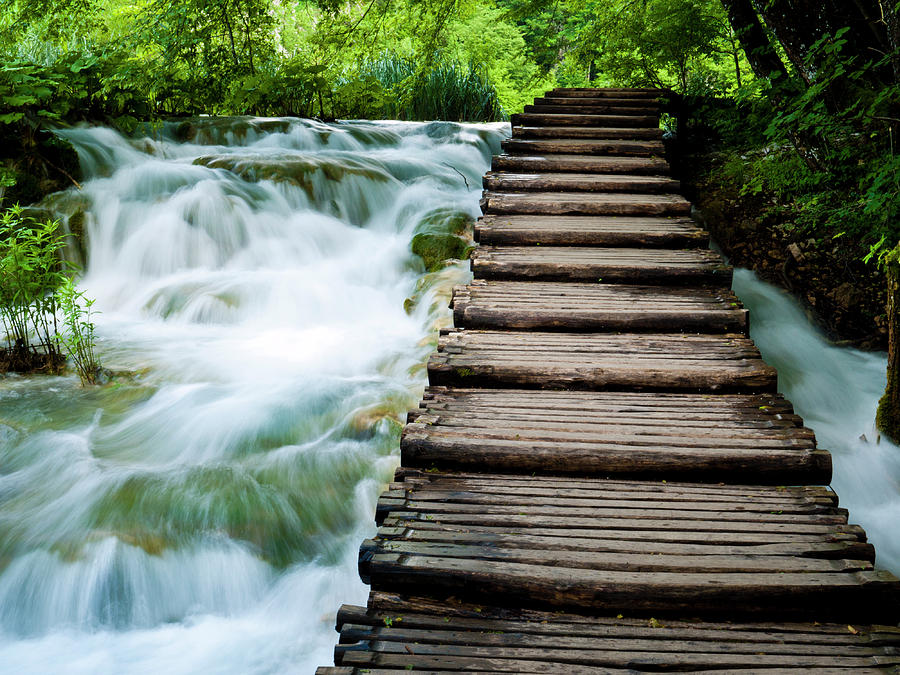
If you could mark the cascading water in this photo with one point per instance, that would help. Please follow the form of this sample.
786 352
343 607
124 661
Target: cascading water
836 391
202 512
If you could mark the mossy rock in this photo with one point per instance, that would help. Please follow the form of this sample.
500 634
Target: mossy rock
436 249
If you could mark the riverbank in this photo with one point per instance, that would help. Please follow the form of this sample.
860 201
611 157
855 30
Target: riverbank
839 292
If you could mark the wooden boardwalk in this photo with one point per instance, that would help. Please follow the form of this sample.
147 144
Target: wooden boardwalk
601 477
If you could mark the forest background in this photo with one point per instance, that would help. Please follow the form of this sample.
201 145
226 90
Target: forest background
786 112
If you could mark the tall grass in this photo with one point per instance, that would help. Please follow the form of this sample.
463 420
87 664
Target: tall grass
449 91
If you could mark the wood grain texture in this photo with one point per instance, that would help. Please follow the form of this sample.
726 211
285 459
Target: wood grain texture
596 264
577 182
603 231
596 307
580 164
585 146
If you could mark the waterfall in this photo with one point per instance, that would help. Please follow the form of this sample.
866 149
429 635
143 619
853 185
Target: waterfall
266 325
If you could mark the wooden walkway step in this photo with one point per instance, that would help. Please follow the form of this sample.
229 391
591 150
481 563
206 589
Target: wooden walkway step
597 307
738 438
399 633
624 547
516 230
587 146
586 132
581 204
615 92
650 104
581 164
648 362
575 263
561 118
648 115
577 182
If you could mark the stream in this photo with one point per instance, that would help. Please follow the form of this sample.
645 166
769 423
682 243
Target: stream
267 325
202 512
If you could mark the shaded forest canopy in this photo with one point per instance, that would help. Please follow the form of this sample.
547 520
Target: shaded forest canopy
810 87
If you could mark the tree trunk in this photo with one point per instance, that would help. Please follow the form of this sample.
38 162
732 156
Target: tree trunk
892 28
888 417
753 38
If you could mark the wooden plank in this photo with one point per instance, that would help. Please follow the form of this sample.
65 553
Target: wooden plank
727 363
650 232
455 615
580 164
596 307
865 595
577 182
602 204
650 104
604 231
586 132
596 264
648 117
582 146
610 92
561 119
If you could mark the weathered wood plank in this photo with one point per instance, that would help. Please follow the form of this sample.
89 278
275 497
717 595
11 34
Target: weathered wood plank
655 232
596 307
865 595
634 133
581 164
648 117
607 92
598 204
577 182
651 104
596 264
582 146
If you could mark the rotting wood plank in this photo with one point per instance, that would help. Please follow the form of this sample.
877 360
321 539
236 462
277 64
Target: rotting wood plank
582 146
596 307
577 182
596 204
595 264
580 164
595 231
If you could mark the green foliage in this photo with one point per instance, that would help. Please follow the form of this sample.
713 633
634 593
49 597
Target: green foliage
448 91
829 168
77 336
30 273
34 286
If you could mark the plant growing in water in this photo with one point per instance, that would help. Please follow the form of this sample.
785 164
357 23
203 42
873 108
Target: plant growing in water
77 337
35 285
30 273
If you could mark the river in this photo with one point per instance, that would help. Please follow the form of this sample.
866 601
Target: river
202 511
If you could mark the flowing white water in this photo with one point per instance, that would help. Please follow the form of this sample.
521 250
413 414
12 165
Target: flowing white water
202 512
836 391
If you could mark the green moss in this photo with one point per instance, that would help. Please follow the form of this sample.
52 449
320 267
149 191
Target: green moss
442 235
435 249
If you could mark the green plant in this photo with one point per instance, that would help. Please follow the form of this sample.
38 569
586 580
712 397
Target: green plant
30 273
77 336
